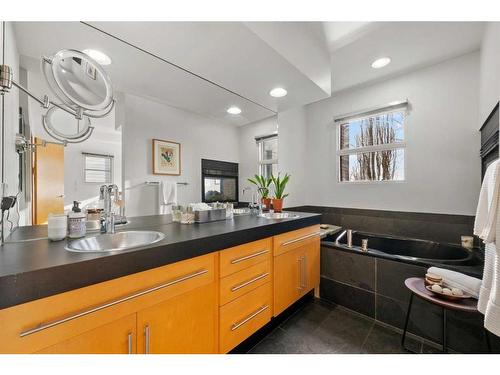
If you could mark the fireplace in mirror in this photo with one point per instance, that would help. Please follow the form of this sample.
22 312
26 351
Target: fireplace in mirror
219 181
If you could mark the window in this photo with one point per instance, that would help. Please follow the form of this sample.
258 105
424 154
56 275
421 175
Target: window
268 155
371 147
98 169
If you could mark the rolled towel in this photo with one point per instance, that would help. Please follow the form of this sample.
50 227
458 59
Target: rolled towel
468 284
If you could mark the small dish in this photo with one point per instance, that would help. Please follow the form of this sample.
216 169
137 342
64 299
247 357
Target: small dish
451 297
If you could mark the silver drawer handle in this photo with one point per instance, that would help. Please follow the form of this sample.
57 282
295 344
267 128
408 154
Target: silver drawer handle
129 343
301 238
303 280
301 269
248 318
146 339
41 327
237 260
244 284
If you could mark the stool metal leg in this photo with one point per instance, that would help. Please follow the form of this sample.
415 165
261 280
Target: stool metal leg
488 342
406 322
445 348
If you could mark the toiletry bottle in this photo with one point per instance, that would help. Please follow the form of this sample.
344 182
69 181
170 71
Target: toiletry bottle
76 222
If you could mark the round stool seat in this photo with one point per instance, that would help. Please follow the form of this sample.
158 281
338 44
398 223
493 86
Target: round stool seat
417 286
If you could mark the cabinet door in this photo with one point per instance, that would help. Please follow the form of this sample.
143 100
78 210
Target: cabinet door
296 272
118 337
288 278
181 325
312 265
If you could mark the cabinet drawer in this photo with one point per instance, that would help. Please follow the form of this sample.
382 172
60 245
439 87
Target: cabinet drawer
242 317
240 257
240 283
35 325
295 239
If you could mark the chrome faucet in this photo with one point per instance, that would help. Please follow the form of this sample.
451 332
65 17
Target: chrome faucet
107 216
256 203
347 232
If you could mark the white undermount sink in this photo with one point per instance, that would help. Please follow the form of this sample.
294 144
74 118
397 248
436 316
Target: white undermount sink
115 241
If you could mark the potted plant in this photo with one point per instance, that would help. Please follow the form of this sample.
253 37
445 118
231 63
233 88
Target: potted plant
279 191
262 184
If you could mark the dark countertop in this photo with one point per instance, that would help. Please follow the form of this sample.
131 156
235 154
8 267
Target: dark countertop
38 268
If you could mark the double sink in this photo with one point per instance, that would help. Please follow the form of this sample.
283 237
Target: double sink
136 238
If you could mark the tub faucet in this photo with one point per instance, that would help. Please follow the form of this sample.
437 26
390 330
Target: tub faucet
347 232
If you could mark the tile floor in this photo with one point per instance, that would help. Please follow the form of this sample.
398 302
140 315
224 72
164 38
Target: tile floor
321 328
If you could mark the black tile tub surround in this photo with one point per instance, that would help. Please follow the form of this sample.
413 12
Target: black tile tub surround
356 299
426 226
345 283
38 269
355 271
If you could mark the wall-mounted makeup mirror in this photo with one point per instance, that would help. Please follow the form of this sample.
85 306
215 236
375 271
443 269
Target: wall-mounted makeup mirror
65 128
78 81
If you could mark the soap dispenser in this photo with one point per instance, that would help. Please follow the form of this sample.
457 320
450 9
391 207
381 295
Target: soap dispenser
76 222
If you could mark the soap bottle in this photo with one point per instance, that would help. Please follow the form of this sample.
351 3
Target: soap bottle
76 222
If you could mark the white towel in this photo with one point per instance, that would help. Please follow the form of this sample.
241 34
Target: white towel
468 284
487 227
167 196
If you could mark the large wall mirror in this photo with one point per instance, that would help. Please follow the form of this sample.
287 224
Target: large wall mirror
154 99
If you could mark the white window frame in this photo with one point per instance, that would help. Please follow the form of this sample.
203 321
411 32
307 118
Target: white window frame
260 143
111 167
399 106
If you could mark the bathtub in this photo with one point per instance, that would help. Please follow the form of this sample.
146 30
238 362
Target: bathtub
421 252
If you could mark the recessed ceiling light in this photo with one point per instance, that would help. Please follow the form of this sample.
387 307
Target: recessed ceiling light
278 92
98 56
234 110
381 62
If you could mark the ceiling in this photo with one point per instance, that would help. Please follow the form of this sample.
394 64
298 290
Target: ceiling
411 45
138 73
206 67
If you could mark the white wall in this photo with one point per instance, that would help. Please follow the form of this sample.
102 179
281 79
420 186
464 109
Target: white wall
489 93
442 155
292 134
200 137
293 154
249 151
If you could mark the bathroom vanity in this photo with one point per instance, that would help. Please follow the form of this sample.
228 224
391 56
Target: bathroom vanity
203 289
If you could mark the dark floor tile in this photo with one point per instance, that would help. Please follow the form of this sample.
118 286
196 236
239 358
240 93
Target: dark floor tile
309 317
431 349
391 276
353 298
344 331
279 342
353 269
383 340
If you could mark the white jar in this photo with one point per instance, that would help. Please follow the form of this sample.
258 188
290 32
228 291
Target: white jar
77 224
57 226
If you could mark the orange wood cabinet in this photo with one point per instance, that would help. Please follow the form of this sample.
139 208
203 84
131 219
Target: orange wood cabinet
208 304
182 325
245 293
296 266
84 315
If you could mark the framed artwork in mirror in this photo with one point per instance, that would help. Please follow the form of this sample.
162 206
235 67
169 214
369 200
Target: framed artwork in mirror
166 157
